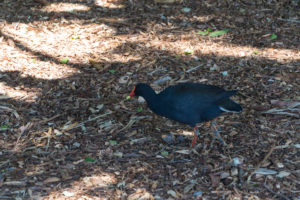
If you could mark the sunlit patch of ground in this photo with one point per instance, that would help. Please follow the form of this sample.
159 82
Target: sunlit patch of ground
65 7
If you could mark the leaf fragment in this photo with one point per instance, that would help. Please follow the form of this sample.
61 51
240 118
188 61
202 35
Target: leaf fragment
140 109
113 142
164 153
172 193
64 60
89 159
112 71
218 33
273 36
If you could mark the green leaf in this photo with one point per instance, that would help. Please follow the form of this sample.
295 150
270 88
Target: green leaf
64 60
89 159
112 71
242 10
113 142
140 109
188 52
255 52
203 33
3 127
273 36
164 153
75 36
218 33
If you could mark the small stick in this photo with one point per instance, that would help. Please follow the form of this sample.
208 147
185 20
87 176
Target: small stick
89 120
276 194
260 164
290 20
49 119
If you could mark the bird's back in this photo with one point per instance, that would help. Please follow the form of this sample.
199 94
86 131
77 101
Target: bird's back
190 103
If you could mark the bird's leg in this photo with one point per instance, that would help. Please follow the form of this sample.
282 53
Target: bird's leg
196 133
216 132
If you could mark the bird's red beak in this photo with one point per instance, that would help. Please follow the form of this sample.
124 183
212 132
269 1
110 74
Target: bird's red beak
131 94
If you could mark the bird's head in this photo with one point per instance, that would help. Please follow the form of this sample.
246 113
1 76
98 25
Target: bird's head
132 93
138 90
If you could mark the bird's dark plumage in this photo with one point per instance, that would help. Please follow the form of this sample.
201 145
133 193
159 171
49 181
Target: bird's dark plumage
189 103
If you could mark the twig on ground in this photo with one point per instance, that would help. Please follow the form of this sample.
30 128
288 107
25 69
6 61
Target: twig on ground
193 68
10 110
290 20
89 120
261 163
275 193
23 129
49 119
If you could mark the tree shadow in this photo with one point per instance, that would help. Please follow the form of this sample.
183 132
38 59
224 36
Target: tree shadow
260 20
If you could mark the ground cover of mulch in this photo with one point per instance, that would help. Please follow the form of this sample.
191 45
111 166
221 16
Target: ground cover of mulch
67 130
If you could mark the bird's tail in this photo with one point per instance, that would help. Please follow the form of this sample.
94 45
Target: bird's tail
226 104
229 105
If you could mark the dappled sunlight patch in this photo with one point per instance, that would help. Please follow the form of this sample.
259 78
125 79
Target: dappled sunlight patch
223 49
19 92
65 7
57 42
110 3
141 193
14 57
101 180
84 187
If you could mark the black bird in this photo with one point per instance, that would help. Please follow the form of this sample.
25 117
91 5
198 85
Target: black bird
189 103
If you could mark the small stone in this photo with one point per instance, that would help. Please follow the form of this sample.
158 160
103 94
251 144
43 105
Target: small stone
186 10
198 194
118 154
236 161
234 172
76 144
224 175
283 174
168 139
280 165
172 193
124 79
68 194
100 106
297 146
225 73
141 99
214 68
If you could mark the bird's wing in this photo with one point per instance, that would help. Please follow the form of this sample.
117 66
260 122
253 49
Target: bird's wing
202 92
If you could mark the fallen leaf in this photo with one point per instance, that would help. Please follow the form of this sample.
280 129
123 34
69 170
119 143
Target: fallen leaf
265 171
64 60
172 193
218 33
52 180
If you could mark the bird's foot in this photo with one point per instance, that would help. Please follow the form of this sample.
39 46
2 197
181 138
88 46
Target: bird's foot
216 132
196 133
